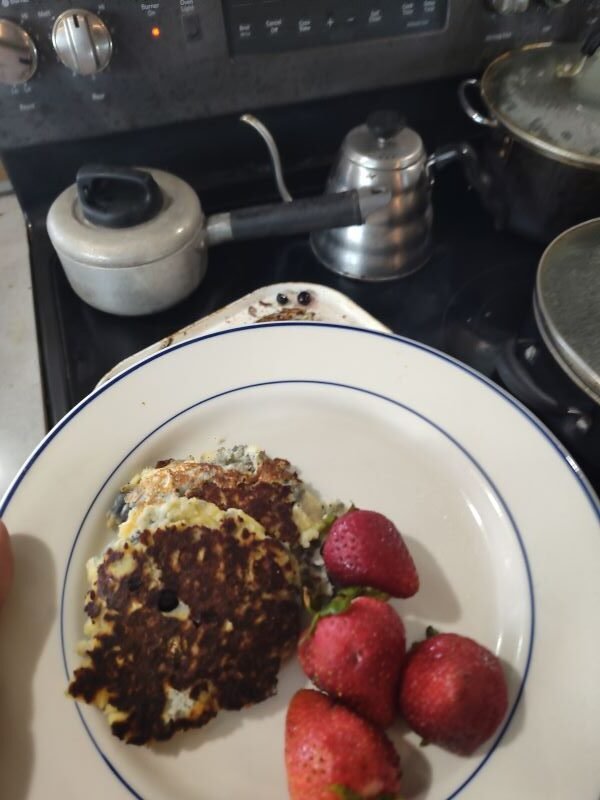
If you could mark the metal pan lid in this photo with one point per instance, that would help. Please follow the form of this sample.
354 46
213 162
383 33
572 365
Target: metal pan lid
567 304
547 96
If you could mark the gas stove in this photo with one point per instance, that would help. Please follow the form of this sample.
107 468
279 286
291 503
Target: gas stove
170 94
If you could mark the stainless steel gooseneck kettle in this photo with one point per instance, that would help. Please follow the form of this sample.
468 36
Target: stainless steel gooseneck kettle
396 240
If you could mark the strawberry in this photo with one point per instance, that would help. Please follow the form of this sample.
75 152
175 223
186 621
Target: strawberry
453 692
364 548
354 651
332 753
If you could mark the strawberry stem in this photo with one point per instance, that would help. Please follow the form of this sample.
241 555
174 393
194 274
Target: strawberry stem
340 603
430 631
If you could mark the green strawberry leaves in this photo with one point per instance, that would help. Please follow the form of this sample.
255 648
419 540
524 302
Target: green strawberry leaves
430 632
340 603
344 793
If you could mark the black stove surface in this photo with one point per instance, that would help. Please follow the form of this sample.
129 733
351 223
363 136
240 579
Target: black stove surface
473 300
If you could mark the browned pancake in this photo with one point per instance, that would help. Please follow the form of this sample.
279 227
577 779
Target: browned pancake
184 621
265 488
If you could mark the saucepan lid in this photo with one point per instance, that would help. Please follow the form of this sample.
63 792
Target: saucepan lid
567 303
547 96
122 217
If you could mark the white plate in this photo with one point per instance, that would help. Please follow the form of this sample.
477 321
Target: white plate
504 530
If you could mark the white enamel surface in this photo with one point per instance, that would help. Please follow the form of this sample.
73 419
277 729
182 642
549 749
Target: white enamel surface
456 483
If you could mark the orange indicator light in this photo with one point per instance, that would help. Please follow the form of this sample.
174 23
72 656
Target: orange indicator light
155 32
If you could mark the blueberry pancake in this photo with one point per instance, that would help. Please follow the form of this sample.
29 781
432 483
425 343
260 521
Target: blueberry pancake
185 618
267 489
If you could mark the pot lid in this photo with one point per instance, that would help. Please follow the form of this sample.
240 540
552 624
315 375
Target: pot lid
169 227
547 96
567 303
383 143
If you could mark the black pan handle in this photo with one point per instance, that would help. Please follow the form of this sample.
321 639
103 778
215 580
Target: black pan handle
591 42
520 383
337 210
117 197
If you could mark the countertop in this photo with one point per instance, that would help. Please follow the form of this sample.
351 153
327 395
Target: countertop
22 423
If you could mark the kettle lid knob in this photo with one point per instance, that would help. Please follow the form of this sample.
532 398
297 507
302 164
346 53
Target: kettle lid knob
385 123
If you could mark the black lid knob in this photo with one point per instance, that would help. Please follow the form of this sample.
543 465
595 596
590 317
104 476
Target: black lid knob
385 124
117 197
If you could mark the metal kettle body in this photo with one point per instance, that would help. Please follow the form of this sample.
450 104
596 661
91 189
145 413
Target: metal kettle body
396 240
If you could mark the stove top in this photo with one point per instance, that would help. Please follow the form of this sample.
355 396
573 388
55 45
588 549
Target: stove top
473 300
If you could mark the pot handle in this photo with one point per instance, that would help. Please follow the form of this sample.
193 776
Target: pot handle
591 42
338 210
472 113
519 381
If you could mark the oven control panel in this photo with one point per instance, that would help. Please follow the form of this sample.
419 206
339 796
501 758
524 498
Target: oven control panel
83 68
258 27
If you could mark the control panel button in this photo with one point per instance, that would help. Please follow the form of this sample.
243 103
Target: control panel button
192 29
271 26
305 25
375 16
274 25
18 54
330 21
82 41
245 30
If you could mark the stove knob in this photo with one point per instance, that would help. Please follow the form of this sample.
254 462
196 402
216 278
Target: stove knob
18 54
82 41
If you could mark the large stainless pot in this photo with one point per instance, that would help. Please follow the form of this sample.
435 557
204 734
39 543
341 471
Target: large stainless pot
543 150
